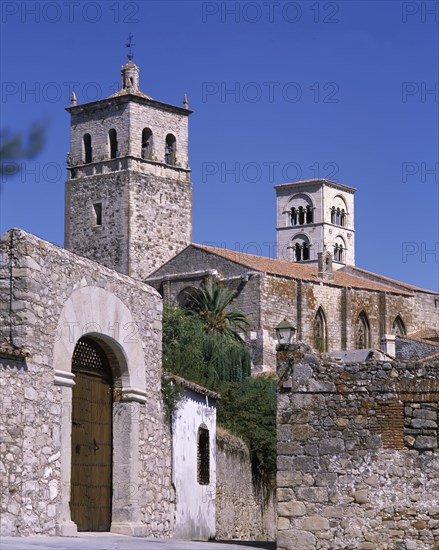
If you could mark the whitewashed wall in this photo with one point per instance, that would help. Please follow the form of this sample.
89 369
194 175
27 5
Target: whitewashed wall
195 503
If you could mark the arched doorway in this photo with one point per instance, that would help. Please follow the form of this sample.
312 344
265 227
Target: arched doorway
92 449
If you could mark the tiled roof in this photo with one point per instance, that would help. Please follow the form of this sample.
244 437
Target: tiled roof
11 351
416 337
431 357
192 386
424 334
126 92
315 180
305 272
387 279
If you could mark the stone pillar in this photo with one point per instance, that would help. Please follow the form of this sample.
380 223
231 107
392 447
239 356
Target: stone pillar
382 314
345 319
299 309
126 518
64 525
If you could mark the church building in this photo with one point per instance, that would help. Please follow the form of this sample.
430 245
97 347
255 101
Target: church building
313 282
85 444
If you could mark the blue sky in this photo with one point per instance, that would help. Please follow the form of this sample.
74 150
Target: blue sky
281 91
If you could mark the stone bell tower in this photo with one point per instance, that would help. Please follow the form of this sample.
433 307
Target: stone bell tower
315 217
128 198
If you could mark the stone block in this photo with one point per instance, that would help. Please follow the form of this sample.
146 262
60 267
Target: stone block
313 494
315 523
361 496
291 508
296 539
334 512
425 414
424 442
288 479
334 445
421 423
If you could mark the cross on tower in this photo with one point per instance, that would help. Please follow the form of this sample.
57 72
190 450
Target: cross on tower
130 45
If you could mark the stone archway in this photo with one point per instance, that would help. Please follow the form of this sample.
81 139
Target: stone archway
101 317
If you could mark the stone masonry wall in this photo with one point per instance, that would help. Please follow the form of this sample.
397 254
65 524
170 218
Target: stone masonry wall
128 116
160 222
242 512
106 243
36 280
358 460
146 220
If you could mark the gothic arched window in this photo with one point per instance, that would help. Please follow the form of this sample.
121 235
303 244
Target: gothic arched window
170 149
398 326
146 151
320 331
309 214
112 138
87 148
362 332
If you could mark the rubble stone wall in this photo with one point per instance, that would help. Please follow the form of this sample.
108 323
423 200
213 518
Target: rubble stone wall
37 280
243 511
358 460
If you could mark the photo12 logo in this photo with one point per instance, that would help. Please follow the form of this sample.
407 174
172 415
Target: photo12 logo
270 172
423 12
271 12
50 92
419 172
70 11
420 91
420 252
269 92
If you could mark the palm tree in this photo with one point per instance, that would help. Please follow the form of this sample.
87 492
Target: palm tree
210 302
224 350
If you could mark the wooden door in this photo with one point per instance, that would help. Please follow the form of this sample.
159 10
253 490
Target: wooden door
91 479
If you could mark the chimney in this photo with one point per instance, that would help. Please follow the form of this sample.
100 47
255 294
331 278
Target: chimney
325 266
388 344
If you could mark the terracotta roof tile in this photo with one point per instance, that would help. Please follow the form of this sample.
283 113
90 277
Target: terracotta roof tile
389 280
415 337
125 92
424 334
192 386
431 357
306 272
11 351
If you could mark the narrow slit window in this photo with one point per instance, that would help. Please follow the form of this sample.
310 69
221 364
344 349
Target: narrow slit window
97 209
203 466
87 148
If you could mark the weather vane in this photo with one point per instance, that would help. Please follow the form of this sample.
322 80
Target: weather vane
130 45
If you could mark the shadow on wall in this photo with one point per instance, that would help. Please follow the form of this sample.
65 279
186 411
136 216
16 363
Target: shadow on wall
248 544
